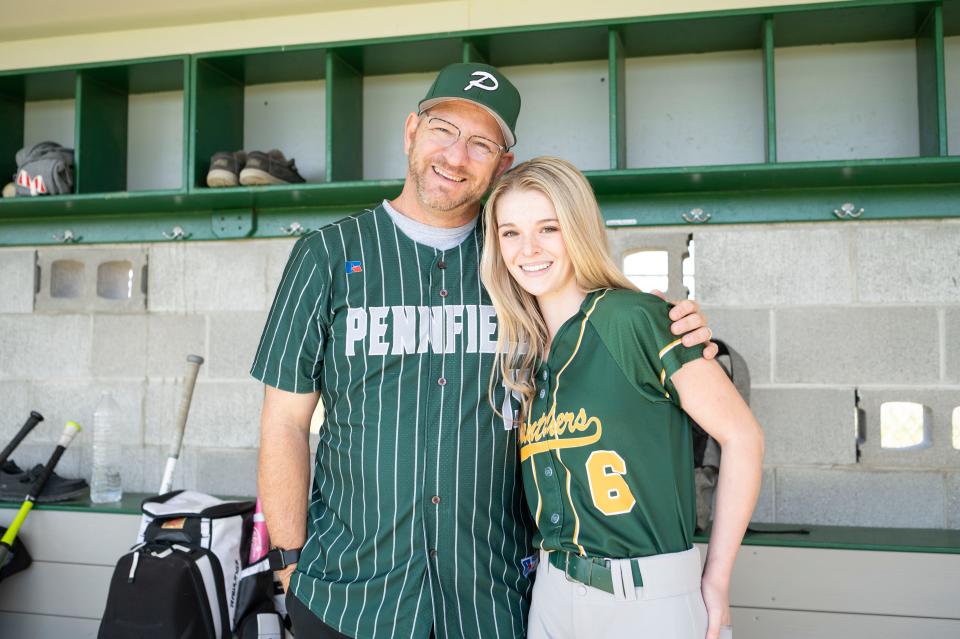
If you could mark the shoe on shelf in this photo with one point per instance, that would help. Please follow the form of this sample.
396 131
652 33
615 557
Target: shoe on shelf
10 190
225 168
16 482
269 168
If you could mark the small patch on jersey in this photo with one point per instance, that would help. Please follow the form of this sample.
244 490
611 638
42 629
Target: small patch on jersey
354 266
529 564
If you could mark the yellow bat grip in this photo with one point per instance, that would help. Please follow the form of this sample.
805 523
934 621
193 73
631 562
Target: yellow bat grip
11 533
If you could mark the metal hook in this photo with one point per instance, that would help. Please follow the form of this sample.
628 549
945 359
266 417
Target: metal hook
294 229
176 234
848 210
696 216
67 238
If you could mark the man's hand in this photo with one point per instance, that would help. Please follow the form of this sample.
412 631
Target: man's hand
284 576
690 322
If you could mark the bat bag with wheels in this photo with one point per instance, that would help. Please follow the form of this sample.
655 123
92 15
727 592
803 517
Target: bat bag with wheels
706 450
186 576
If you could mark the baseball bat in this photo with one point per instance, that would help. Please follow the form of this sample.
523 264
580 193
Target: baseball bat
34 419
6 542
193 367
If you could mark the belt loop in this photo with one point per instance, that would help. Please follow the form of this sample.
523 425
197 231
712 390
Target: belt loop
629 588
615 576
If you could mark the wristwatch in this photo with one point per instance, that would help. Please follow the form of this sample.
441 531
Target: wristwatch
280 558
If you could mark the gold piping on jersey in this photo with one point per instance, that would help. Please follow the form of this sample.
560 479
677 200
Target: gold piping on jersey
663 371
556 387
536 482
663 381
669 347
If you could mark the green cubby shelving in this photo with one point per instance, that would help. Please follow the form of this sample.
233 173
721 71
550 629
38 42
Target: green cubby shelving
98 98
600 92
25 92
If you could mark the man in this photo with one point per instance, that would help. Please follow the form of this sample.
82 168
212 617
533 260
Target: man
415 525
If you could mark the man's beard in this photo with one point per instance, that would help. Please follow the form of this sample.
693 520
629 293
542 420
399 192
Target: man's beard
438 201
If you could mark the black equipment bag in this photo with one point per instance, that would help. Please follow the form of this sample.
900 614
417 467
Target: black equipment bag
187 578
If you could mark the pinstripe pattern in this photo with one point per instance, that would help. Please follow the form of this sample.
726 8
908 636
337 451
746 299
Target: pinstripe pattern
400 351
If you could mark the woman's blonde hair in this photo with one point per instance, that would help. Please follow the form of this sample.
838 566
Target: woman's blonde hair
522 333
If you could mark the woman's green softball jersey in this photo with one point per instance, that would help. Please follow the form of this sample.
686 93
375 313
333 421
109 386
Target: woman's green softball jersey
416 519
606 451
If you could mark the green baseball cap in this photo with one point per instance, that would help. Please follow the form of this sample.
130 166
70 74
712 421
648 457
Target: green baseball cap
483 85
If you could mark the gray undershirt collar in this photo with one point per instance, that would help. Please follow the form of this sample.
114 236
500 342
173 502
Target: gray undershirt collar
441 239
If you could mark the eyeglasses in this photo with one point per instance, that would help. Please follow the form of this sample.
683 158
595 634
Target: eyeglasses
446 134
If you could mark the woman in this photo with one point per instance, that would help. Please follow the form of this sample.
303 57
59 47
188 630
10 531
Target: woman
605 443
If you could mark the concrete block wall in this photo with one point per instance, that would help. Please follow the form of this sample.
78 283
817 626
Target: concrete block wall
833 317
829 317
204 298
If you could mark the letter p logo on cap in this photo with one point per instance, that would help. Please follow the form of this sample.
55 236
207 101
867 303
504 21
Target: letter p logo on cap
482 76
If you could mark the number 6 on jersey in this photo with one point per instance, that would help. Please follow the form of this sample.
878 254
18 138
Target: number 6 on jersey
610 493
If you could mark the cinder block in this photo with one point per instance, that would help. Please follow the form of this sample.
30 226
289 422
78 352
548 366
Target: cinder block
184 474
856 345
953 500
119 345
624 241
850 497
773 265
227 472
170 338
766 510
14 408
17 280
952 345
747 331
142 468
222 413
209 276
106 279
234 338
38 346
278 252
806 425
59 402
908 262
939 454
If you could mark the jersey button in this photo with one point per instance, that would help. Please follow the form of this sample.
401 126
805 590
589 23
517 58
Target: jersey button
435 500
543 393
443 292
548 471
433 553
555 518
442 381
441 264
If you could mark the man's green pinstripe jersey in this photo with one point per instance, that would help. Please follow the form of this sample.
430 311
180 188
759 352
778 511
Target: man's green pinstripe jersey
606 451
416 520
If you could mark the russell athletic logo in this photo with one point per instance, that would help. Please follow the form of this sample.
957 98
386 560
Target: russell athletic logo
483 77
355 266
529 565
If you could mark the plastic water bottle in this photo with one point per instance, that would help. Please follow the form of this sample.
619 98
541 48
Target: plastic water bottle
105 480
259 540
